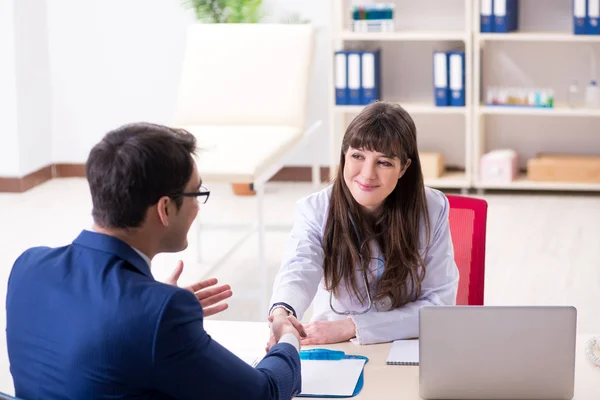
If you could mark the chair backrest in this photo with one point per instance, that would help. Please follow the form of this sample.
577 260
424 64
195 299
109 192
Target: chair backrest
245 74
468 219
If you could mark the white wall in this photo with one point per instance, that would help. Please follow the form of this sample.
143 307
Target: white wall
9 154
112 62
34 109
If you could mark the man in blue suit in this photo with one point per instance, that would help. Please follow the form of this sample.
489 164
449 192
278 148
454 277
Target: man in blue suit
88 320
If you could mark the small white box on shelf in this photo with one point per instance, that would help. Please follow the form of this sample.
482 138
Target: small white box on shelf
499 166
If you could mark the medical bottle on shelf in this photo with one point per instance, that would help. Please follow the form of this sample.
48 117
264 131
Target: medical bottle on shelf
573 95
592 95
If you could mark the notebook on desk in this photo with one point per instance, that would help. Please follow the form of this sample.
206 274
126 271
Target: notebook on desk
404 352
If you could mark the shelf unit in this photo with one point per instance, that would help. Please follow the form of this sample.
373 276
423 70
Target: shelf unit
342 36
476 114
481 41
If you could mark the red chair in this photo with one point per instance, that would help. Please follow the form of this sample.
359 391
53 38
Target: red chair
468 217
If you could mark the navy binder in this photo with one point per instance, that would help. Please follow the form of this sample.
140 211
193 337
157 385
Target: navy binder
456 67
593 17
506 15
341 78
440 79
487 16
370 76
580 17
353 60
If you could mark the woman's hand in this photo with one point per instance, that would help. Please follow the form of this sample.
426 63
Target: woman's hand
328 332
278 317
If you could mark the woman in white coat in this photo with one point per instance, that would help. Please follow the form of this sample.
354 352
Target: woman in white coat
372 248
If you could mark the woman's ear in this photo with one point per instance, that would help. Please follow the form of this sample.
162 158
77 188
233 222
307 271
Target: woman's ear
403 170
162 207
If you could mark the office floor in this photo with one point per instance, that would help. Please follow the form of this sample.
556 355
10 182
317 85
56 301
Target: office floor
541 248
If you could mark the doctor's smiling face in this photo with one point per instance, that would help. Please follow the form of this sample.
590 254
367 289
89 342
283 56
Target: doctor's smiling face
378 150
371 176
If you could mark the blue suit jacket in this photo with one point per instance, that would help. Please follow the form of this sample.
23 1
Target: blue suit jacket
88 321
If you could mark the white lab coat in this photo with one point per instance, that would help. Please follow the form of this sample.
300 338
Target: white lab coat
300 278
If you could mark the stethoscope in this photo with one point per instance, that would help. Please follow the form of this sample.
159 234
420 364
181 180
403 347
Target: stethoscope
383 304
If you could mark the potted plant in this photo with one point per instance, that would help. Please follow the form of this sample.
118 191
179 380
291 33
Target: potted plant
226 11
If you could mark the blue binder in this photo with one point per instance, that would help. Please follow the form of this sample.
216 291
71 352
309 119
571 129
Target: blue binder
506 15
440 79
341 78
326 354
456 68
580 17
593 17
487 16
353 60
370 76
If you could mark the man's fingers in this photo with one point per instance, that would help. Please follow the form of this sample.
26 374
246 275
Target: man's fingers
202 284
176 273
215 309
206 293
209 301
297 325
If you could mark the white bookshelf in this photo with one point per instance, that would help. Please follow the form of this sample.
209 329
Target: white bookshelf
405 36
342 36
536 37
545 35
522 183
524 47
556 111
411 108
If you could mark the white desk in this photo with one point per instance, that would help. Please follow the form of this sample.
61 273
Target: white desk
382 381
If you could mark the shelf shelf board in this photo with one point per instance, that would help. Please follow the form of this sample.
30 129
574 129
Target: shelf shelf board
450 180
411 108
537 37
558 111
404 36
522 183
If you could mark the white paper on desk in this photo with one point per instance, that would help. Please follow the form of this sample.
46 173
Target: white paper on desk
404 352
331 377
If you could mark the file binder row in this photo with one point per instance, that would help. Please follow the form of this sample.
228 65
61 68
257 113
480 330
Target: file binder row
586 17
357 77
373 18
499 16
449 78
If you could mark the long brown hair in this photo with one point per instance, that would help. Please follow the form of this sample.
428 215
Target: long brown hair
386 128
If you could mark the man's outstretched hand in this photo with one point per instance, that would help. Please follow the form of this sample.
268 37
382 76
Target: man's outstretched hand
209 297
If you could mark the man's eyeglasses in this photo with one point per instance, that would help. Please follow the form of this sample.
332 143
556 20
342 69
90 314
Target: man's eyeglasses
201 195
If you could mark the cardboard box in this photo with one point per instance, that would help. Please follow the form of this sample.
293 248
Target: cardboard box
499 166
432 164
564 168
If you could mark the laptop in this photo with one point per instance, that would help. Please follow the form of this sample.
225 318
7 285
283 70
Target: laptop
497 352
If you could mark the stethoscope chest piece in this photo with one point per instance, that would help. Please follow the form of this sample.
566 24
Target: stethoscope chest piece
384 304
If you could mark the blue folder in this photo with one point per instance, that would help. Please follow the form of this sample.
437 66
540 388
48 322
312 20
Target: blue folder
593 17
486 20
441 79
456 83
342 94
506 15
580 17
326 354
370 83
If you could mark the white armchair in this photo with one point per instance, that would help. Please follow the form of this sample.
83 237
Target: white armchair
243 93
